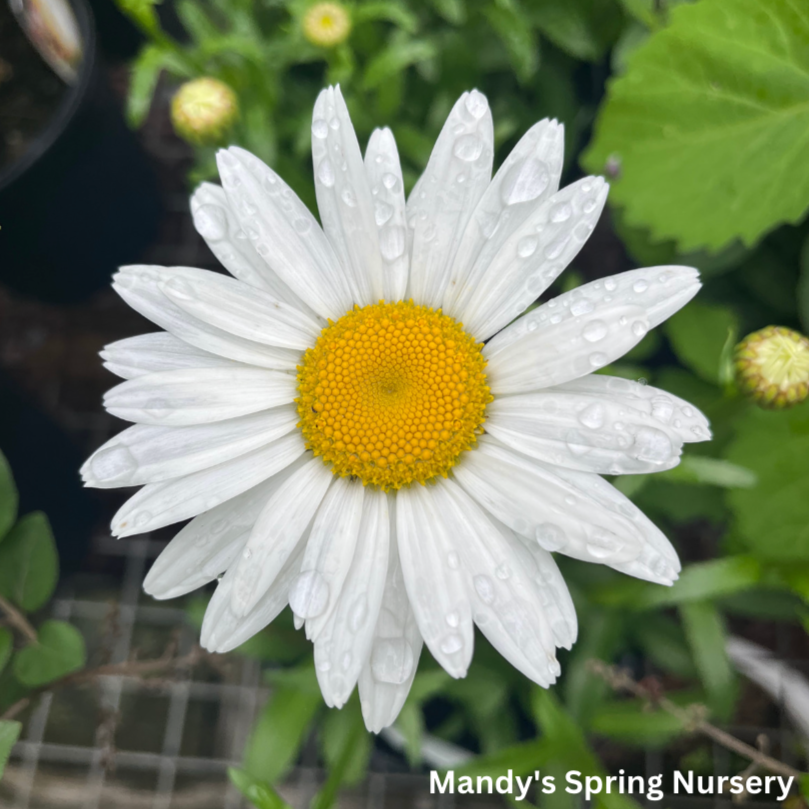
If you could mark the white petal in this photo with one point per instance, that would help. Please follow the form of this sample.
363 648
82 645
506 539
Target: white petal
159 504
284 232
534 500
199 396
436 587
344 196
526 260
529 176
442 201
328 556
223 233
148 454
388 673
139 287
277 532
239 309
586 328
583 431
158 351
688 423
555 596
223 630
210 543
498 577
343 646
384 172
657 560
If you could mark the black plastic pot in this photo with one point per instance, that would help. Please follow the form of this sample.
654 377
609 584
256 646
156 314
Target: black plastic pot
83 199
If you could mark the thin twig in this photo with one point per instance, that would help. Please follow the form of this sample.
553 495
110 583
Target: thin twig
692 717
18 620
131 668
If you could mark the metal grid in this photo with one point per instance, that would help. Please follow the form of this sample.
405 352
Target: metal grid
175 740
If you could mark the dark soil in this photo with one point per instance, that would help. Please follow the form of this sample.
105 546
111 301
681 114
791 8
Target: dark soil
29 90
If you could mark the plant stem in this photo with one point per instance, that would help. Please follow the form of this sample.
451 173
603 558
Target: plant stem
18 620
692 717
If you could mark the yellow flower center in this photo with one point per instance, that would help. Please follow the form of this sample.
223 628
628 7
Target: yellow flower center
392 393
772 366
326 24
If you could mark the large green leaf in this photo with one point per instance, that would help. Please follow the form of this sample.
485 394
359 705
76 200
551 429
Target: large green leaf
9 733
773 517
59 650
29 564
8 497
710 124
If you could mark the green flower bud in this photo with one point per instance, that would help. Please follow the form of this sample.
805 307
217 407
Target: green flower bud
327 24
203 110
772 367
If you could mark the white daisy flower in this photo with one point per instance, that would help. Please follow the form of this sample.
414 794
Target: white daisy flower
357 427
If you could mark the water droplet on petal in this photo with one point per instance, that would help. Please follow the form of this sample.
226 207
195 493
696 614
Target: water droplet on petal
211 222
113 463
382 212
640 286
639 328
526 247
348 197
453 619
451 644
390 181
593 416
502 572
550 536
610 284
524 181
320 129
392 242
652 445
602 544
561 212
358 613
597 360
309 594
484 587
476 104
157 408
468 148
392 660
582 306
594 331
325 173
453 562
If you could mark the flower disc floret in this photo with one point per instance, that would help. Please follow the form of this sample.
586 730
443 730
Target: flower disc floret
392 393
327 24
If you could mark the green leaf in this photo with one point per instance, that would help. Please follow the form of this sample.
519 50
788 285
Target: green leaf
195 21
145 73
398 56
773 518
281 730
710 124
631 723
347 750
705 631
453 11
345 729
9 733
6 646
662 641
59 650
259 793
142 13
8 497
698 333
585 29
391 12
517 35
411 723
711 471
29 564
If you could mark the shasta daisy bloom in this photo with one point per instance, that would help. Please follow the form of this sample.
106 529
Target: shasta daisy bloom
357 427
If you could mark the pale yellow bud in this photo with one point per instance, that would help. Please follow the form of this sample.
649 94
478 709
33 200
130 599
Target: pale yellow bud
203 110
772 367
327 24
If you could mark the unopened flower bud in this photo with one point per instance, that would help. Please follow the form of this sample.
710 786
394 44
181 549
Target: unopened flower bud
327 24
772 367
203 110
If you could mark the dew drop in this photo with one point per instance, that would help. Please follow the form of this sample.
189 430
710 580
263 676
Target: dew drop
451 644
594 331
550 536
142 518
382 212
325 173
392 242
639 328
157 408
476 104
561 212
502 572
392 660
582 306
640 286
320 129
556 248
309 594
468 148
526 247
247 554
524 181
652 445
453 619
593 416
597 359
602 544
358 614
484 587
302 225
453 562
610 284
662 409
390 181
345 662
348 197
